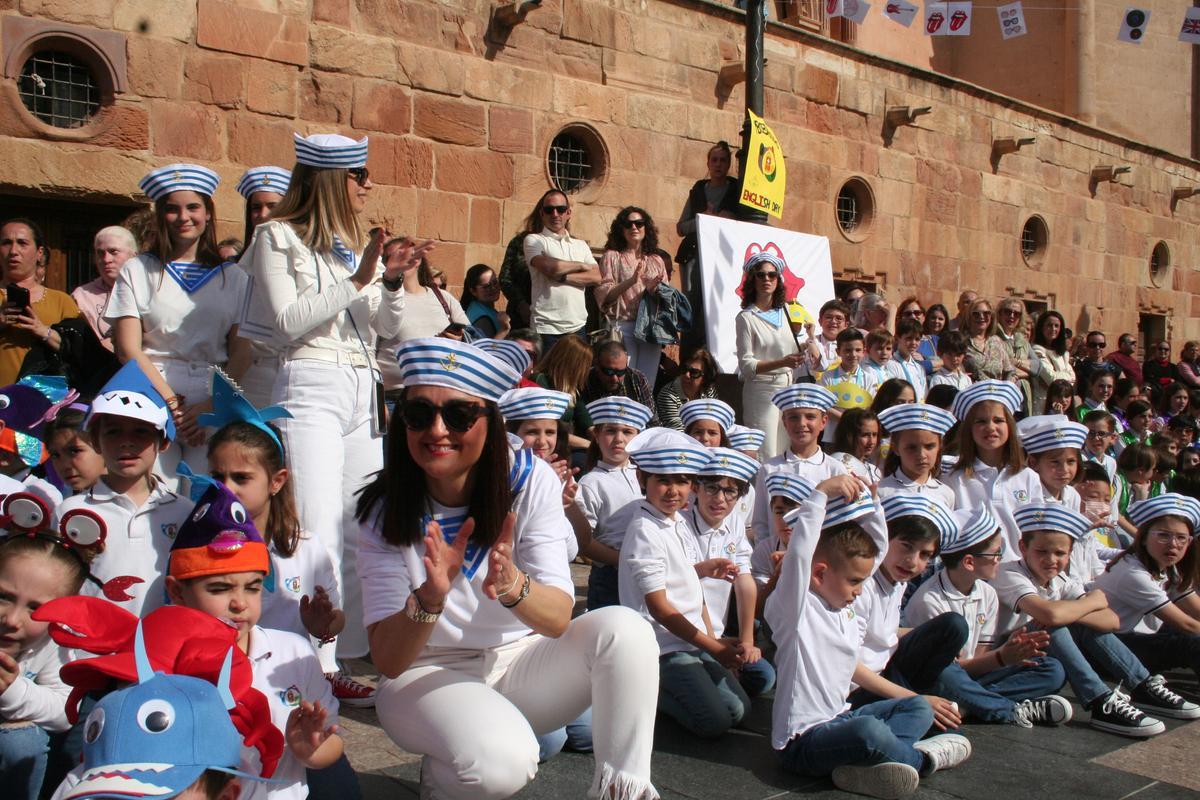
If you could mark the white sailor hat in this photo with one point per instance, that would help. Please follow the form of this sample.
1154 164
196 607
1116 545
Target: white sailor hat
725 462
662 451
764 256
1168 504
1050 432
838 511
1003 392
1052 517
785 484
617 410
454 365
330 151
743 438
506 350
803 395
916 417
707 408
179 178
264 179
920 505
972 526
530 402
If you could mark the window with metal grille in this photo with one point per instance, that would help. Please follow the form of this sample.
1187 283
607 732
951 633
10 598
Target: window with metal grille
1160 263
849 216
1034 236
570 160
59 89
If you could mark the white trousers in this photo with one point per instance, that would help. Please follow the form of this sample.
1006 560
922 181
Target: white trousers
193 380
759 412
643 356
474 714
258 384
332 453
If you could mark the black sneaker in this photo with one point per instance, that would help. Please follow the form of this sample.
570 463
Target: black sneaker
1154 696
1047 710
1114 714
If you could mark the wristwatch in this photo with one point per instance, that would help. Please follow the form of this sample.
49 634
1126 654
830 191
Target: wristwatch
392 284
414 611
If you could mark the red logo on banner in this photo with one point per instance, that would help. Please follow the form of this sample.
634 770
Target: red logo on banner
957 19
934 22
792 283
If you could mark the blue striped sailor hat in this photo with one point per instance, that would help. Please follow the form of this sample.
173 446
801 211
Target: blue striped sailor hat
785 484
437 361
725 462
179 178
1050 432
264 179
803 395
663 451
838 511
617 410
1002 392
972 526
507 351
921 505
1052 517
744 438
916 417
330 151
1168 504
761 257
529 402
707 408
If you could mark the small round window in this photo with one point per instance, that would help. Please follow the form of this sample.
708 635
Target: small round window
855 209
1034 237
1160 263
59 89
577 160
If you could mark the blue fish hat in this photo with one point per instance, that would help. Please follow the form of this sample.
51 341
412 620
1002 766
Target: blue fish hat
725 462
916 417
707 408
438 361
129 393
1003 392
1047 432
1052 517
230 405
531 402
1168 504
785 484
507 351
804 395
744 438
972 526
662 451
264 179
179 178
617 410
838 511
919 505
330 151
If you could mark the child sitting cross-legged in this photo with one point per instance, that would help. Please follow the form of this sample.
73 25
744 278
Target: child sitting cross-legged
1010 681
838 540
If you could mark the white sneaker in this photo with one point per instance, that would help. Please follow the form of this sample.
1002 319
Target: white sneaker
945 751
889 781
1047 710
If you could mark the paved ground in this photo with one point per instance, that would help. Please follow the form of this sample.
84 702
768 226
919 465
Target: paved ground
1009 763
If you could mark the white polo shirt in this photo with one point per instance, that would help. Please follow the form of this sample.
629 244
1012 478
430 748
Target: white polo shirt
556 308
728 540
908 369
1014 581
293 577
878 610
602 493
38 694
761 566
660 553
814 469
899 483
1135 595
138 542
1004 491
980 608
869 473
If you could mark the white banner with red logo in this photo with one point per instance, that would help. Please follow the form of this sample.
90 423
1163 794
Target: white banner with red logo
948 19
725 244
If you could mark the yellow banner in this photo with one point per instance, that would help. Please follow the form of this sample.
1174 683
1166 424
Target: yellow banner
766 174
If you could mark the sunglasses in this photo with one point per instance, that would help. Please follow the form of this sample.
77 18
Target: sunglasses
633 223
550 210
767 275
1095 344
614 372
913 313
359 175
1014 312
693 373
458 416
981 314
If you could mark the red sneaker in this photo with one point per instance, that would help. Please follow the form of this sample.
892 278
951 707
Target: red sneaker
350 692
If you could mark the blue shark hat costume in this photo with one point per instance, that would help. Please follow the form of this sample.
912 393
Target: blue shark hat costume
264 179
230 405
129 393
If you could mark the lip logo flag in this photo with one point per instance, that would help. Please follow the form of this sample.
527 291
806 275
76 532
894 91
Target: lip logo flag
1133 25
853 10
948 19
766 174
900 11
1190 31
1012 20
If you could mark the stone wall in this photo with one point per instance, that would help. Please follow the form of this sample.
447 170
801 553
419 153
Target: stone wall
460 115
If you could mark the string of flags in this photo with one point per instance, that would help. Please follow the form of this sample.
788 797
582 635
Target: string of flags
954 18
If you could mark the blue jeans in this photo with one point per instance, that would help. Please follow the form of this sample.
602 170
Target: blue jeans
1167 649
873 734
757 678
338 781
1076 645
700 694
922 655
602 587
991 697
24 751
575 735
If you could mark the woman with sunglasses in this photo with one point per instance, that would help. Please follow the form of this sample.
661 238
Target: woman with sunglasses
1010 328
561 266
767 352
317 298
696 381
987 356
468 597
481 290
1158 369
630 268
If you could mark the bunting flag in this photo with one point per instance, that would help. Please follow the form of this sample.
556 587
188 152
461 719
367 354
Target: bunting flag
189 275
853 10
1133 25
1012 20
948 19
1190 32
900 11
